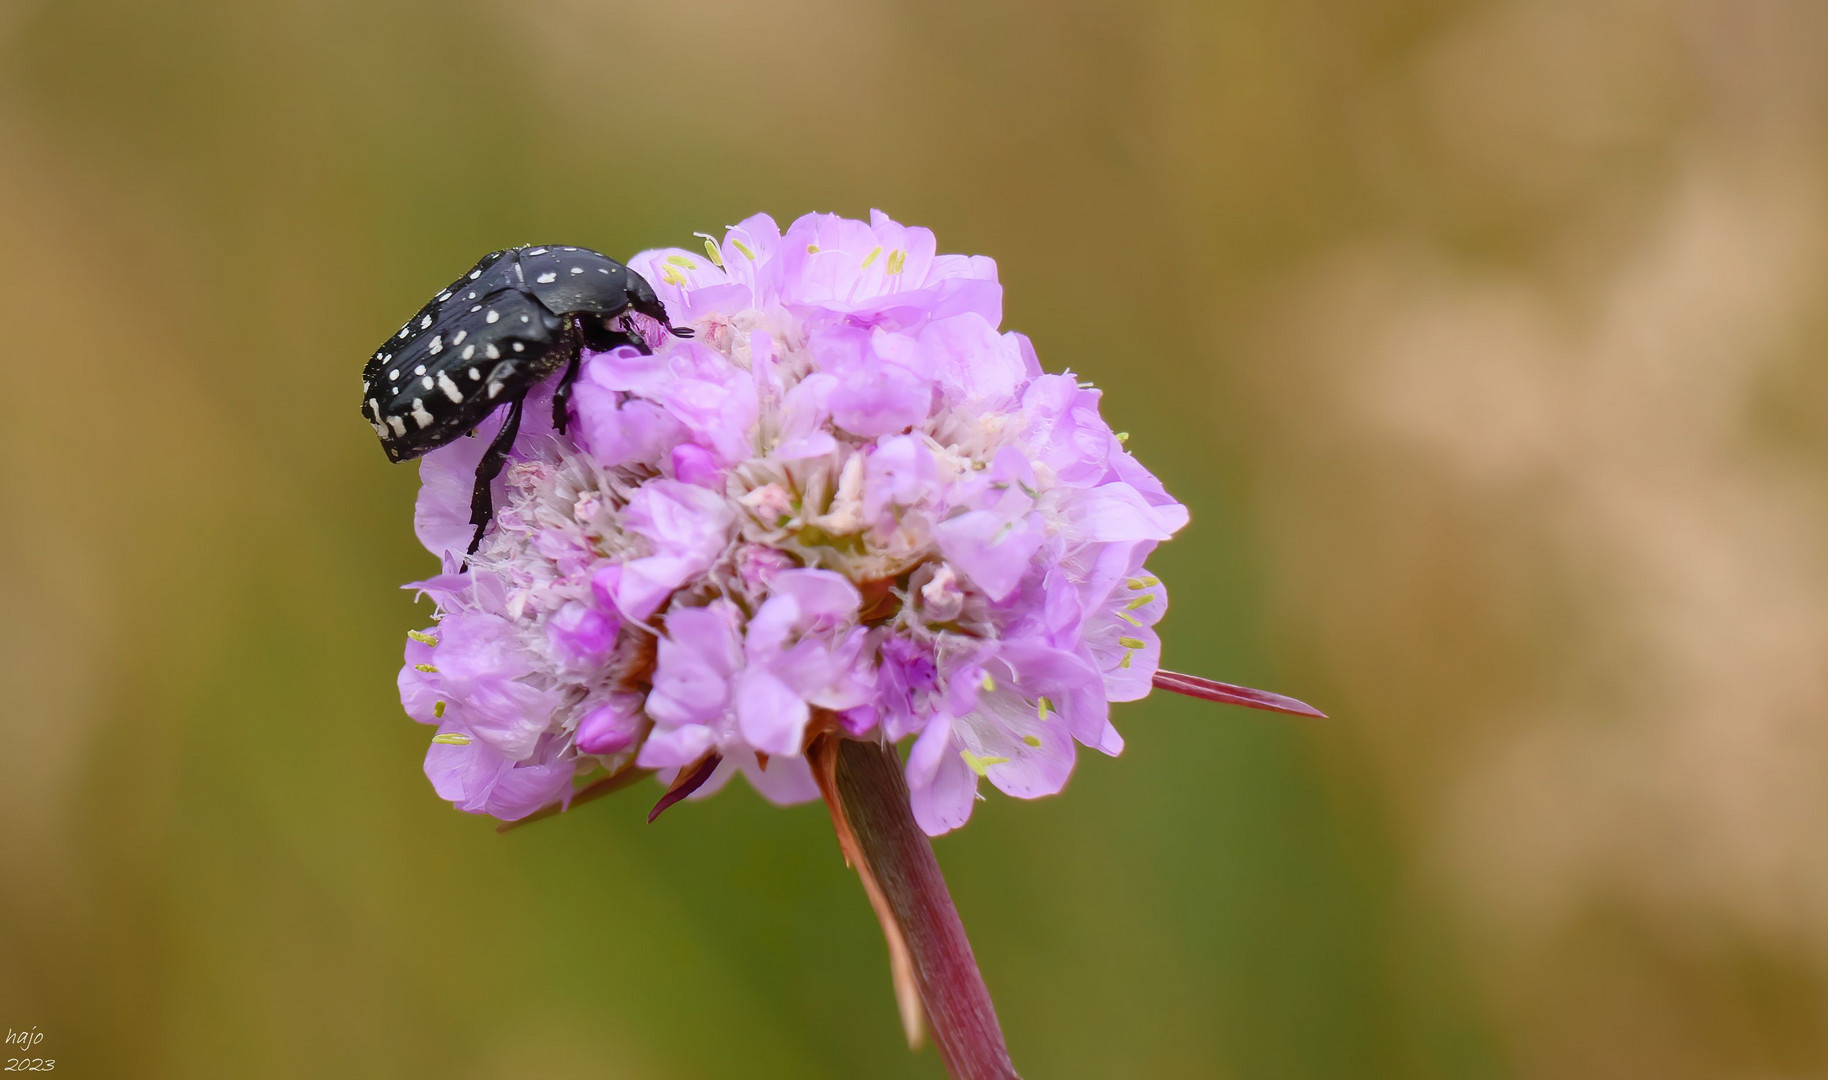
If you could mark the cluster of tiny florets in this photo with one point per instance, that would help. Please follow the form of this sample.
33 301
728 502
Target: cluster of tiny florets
849 504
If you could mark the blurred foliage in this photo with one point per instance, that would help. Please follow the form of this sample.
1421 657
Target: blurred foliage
1484 339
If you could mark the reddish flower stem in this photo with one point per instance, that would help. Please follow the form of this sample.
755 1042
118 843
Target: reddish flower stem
869 802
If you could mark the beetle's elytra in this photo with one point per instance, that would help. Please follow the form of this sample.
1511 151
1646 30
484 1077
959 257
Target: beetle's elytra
518 316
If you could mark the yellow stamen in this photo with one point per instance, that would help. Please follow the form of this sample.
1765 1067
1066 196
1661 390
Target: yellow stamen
1131 643
717 258
980 764
1041 707
1123 436
438 709
684 261
426 667
452 738
898 260
1138 602
989 684
871 257
1032 740
742 247
1125 662
812 249
423 639
1143 582
672 276
1129 618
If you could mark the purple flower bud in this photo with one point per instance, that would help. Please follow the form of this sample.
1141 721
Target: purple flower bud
610 727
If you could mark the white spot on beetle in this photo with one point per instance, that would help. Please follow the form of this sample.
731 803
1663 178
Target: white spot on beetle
458 340
475 375
547 278
469 351
425 322
518 347
420 370
493 353
420 416
602 269
493 316
445 295
475 309
537 251
437 345
398 425
427 381
525 318
474 274
449 387
577 269
494 388
393 375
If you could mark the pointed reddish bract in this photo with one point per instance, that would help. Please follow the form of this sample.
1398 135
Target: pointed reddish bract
688 781
1228 694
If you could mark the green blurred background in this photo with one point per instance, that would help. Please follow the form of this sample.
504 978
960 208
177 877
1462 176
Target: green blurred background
1485 340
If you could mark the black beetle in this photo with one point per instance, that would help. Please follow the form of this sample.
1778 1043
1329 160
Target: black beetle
517 316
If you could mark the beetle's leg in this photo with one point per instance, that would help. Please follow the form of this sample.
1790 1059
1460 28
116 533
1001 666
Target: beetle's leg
561 394
481 503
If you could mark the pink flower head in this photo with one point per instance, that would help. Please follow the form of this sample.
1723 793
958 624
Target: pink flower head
850 504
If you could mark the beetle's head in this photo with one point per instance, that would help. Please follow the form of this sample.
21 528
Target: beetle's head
641 298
